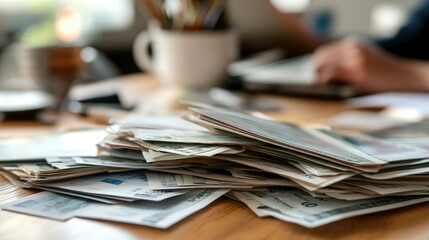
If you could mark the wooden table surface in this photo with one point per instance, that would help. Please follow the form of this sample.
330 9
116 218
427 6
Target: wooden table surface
223 219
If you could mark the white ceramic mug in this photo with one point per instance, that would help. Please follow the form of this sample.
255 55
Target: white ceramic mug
190 60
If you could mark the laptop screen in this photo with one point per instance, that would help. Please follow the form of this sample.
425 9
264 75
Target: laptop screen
260 26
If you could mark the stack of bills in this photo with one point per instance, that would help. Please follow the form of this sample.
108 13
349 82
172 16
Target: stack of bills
155 171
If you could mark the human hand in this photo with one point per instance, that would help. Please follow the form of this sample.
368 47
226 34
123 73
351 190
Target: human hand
367 68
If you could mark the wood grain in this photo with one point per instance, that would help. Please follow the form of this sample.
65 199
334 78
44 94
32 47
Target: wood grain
223 219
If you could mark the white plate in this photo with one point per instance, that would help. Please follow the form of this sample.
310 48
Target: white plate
17 101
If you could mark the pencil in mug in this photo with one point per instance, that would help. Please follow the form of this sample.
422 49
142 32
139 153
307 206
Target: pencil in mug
155 12
204 10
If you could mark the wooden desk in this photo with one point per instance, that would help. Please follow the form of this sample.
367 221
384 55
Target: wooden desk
225 218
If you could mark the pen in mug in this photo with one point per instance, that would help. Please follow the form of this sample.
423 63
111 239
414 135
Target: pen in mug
214 14
204 10
186 14
155 11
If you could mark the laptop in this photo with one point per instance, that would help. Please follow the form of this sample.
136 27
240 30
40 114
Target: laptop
263 34
295 76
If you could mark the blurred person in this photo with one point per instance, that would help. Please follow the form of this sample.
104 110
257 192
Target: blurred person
400 63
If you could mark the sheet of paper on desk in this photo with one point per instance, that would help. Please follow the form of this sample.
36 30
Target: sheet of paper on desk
96 198
233 181
67 144
133 185
160 215
297 206
64 163
42 172
383 149
190 137
127 164
167 181
158 122
191 149
416 134
363 121
417 101
49 205
280 134
307 181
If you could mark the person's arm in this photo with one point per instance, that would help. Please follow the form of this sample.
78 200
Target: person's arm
369 68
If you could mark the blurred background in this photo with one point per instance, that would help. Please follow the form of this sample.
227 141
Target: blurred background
109 27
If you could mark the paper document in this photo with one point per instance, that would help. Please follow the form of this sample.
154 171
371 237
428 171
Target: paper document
416 101
299 207
68 144
160 215
132 185
49 205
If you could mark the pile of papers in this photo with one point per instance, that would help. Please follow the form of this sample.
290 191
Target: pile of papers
155 171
